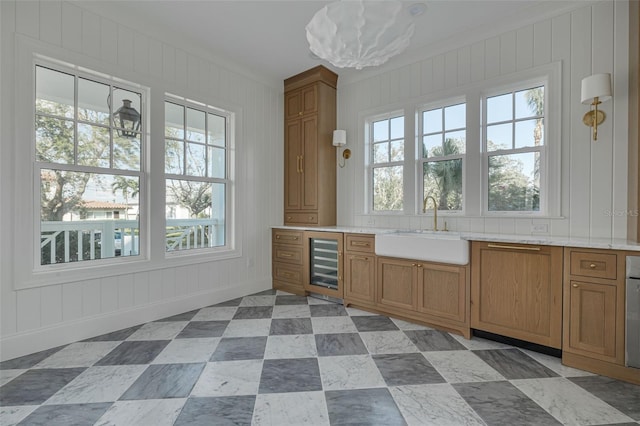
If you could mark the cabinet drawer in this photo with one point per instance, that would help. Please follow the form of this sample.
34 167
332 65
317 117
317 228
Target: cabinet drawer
597 265
286 236
288 273
306 218
287 254
365 244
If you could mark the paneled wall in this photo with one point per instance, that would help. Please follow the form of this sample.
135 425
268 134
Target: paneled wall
589 39
48 315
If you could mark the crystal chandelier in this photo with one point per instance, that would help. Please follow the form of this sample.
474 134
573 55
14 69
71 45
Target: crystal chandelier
359 33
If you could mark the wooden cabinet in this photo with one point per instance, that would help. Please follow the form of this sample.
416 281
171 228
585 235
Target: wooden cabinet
397 283
442 291
287 260
516 291
359 269
310 157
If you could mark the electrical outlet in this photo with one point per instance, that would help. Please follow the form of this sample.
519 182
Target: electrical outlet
540 228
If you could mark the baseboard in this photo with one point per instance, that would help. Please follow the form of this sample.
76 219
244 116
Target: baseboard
32 341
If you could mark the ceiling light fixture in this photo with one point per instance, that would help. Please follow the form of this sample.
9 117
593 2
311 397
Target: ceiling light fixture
360 33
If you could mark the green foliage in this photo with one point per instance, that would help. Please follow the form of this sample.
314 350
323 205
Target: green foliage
443 179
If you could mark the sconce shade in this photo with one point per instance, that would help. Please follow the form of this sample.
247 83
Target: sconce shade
339 137
596 86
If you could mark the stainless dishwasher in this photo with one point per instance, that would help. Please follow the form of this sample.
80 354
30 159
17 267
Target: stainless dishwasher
633 312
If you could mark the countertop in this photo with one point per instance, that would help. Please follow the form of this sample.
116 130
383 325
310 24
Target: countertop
595 243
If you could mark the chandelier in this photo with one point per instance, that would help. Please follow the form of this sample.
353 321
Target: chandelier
359 33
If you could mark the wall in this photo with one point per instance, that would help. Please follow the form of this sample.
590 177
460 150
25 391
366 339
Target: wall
586 40
51 314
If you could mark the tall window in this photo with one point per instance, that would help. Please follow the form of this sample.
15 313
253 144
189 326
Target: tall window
88 156
514 150
197 176
386 139
443 151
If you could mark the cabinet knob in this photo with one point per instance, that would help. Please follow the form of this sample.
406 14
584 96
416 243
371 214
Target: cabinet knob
289 218
277 237
419 265
310 217
575 286
592 266
414 264
300 113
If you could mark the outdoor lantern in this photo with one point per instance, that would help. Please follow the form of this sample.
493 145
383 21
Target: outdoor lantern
128 119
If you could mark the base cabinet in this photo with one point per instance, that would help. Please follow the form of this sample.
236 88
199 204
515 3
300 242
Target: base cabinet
397 283
288 263
359 269
442 291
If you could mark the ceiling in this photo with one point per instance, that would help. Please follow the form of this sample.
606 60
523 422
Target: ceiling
269 36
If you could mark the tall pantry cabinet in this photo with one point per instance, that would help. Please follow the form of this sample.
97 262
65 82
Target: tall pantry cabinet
310 157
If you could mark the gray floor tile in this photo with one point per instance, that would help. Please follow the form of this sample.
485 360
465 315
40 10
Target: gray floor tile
328 311
134 352
290 375
406 369
433 340
197 329
291 300
514 364
66 415
501 403
28 361
253 312
374 323
286 326
269 292
229 303
187 316
115 336
220 411
621 395
340 344
164 381
363 407
36 386
238 348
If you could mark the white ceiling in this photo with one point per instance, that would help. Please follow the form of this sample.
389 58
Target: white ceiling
269 36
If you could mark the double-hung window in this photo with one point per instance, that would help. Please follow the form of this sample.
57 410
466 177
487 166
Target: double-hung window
386 140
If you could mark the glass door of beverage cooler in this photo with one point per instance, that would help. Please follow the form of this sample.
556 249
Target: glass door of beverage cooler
323 251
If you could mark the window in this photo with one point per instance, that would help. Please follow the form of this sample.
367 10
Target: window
443 132
197 176
514 150
386 139
88 157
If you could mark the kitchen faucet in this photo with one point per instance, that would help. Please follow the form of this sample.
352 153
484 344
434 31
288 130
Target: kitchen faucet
435 210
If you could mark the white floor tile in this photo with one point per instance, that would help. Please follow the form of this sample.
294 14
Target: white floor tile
555 364
215 314
180 351
229 378
81 354
258 301
358 313
405 325
11 416
248 328
462 367
349 372
291 409
156 412
295 346
291 311
477 343
388 342
329 325
159 330
7 375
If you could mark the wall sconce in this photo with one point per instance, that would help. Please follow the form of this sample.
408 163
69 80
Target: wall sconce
340 140
595 90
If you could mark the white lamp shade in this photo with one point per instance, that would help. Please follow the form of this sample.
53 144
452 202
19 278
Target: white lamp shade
597 85
339 137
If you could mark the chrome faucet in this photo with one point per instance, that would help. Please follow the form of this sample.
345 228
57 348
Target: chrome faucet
435 210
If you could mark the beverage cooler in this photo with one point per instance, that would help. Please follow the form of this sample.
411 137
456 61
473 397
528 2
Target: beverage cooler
323 274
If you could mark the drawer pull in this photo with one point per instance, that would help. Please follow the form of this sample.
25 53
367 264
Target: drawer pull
419 265
592 266
287 274
500 246
359 257
285 255
414 264
575 286
286 237
359 243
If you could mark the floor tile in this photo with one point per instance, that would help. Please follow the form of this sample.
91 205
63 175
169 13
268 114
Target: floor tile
370 407
65 415
283 326
186 316
569 403
349 372
501 403
142 352
200 329
258 301
296 346
328 311
229 303
7 375
215 314
462 367
290 375
433 340
340 344
621 395
355 312
158 330
248 328
10 416
229 378
220 411
270 292
239 348
514 364
406 369
115 336
98 384
164 381
373 323
387 342
291 311
327 325
405 325
291 300
291 409
318 301
478 343
156 412
181 351
36 386
28 361
434 405
81 354
253 312
555 364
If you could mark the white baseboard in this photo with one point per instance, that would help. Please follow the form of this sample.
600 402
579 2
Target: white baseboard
32 341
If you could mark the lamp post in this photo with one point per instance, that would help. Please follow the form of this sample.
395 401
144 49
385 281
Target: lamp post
127 119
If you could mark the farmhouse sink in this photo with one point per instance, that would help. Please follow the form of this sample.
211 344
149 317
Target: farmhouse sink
444 247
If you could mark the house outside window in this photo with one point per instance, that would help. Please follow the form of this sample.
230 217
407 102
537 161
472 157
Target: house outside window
386 141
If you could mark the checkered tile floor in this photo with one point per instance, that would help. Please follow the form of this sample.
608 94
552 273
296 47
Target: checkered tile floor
278 359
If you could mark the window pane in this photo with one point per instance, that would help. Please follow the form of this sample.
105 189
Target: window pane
455 117
54 140
499 108
195 125
443 181
196 159
127 110
529 133
217 166
454 143
514 182
174 120
499 137
381 152
432 121
174 157
432 145
387 188
126 152
397 128
87 216
54 93
93 146
397 150
217 130
530 103
381 130
93 101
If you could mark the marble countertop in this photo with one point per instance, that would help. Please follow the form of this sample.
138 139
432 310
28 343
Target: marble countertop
596 243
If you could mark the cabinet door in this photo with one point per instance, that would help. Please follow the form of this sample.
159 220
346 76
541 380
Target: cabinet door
359 274
301 101
442 291
292 166
396 283
309 163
